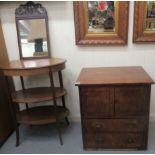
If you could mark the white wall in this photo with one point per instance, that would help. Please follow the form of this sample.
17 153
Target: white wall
62 40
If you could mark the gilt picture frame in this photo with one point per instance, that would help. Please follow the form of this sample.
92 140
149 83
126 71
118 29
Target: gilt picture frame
144 22
101 22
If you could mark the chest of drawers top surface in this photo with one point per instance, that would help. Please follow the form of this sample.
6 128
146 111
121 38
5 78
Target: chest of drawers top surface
113 75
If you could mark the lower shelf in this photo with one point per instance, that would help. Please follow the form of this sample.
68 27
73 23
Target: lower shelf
38 94
41 115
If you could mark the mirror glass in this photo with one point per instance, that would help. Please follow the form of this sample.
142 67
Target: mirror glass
149 19
32 31
33 37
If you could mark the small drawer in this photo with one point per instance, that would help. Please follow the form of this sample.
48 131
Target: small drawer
115 125
132 100
97 101
114 141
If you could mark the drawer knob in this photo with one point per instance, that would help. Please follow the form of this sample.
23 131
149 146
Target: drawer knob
99 140
131 125
129 141
98 125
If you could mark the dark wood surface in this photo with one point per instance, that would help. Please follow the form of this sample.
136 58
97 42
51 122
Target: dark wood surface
115 125
38 94
114 141
42 115
32 67
91 103
113 75
114 105
6 121
31 64
135 98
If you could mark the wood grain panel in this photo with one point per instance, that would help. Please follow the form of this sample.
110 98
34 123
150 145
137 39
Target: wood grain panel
113 75
38 94
113 140
97 102
115 125
132 100
41 115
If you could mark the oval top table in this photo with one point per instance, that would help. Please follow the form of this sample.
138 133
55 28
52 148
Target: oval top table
32 67
37 115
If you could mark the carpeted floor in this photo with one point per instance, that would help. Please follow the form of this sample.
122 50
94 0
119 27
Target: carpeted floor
44 139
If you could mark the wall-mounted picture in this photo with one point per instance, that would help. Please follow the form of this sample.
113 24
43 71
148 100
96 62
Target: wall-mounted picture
101 22
150 16
101 16
144 22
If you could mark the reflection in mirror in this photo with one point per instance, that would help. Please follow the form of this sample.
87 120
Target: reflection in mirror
33 37
149 19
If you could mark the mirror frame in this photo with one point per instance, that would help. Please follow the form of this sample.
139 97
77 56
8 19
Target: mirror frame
140 35
29 11
83 37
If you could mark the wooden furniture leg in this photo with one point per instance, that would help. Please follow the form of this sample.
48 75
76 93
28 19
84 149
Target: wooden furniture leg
23 87
55 105
62 98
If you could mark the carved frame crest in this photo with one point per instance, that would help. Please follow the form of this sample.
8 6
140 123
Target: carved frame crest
30 10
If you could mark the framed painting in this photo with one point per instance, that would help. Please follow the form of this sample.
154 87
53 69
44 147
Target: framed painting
101 22
144 22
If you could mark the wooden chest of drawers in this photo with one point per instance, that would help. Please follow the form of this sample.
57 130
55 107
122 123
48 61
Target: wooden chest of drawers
114 104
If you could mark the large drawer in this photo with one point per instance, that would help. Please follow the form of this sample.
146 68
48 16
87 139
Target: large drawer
114 141
115 125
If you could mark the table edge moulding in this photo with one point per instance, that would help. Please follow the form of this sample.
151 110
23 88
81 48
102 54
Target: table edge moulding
114 106
37 115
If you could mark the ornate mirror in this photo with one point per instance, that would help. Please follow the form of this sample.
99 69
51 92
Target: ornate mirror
32 31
